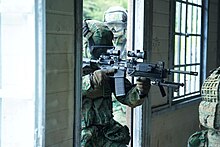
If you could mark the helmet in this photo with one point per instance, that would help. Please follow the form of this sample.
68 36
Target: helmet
97 38
115 14
116 18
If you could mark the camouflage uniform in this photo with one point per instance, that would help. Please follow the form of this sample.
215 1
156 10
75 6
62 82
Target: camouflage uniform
198 139
116 19
209 114
98 128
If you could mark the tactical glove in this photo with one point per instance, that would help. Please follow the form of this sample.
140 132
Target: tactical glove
143 86
100 77
100 83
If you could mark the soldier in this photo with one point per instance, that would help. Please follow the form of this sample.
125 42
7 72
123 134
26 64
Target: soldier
98 128
209 114
116 19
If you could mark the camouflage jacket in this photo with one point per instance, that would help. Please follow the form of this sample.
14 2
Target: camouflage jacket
98 111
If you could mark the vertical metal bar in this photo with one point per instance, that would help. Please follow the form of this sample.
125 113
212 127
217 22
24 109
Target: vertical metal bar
40 70
191 37
77 63
147 46
180 37
186 36
180 32
205 7
171 45
190 46
132 80
192 7
130 46
195 49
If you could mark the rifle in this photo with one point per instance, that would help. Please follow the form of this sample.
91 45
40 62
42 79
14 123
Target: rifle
155 72
107 58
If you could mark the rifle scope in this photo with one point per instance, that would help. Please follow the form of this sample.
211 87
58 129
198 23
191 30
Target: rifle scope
138 54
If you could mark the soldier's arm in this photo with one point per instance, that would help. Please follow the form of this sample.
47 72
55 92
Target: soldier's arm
96 84
88 89
132 97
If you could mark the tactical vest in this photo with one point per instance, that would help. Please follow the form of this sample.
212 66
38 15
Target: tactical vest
209 108
209 114
213 138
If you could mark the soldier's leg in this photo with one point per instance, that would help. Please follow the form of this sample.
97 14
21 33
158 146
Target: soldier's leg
114 144
102 141
114 135
87 136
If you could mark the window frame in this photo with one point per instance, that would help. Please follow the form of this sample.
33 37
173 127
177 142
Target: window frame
40 78
77 73
203 51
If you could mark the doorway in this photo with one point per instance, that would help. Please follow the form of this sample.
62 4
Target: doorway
97 10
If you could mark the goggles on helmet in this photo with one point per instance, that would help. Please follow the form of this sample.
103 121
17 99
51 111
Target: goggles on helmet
115 17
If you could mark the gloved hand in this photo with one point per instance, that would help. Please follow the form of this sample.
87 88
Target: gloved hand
100 77
143 86
100 82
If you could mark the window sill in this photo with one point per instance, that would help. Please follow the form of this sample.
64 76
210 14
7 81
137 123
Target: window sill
167 108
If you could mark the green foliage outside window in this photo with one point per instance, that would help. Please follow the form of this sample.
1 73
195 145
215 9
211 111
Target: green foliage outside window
94 9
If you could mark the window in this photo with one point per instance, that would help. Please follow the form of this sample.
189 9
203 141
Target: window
188 46
22 73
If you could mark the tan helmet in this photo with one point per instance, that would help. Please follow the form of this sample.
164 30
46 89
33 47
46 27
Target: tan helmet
116 18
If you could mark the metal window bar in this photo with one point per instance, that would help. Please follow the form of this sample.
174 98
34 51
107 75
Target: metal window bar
191 3
186 25
40 100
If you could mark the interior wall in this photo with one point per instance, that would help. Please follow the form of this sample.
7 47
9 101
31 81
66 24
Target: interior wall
173 127
59 69
212 56
218 40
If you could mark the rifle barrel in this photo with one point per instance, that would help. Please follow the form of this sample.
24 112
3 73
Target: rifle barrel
184 72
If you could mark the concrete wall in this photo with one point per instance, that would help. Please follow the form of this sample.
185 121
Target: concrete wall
59 78
172 128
